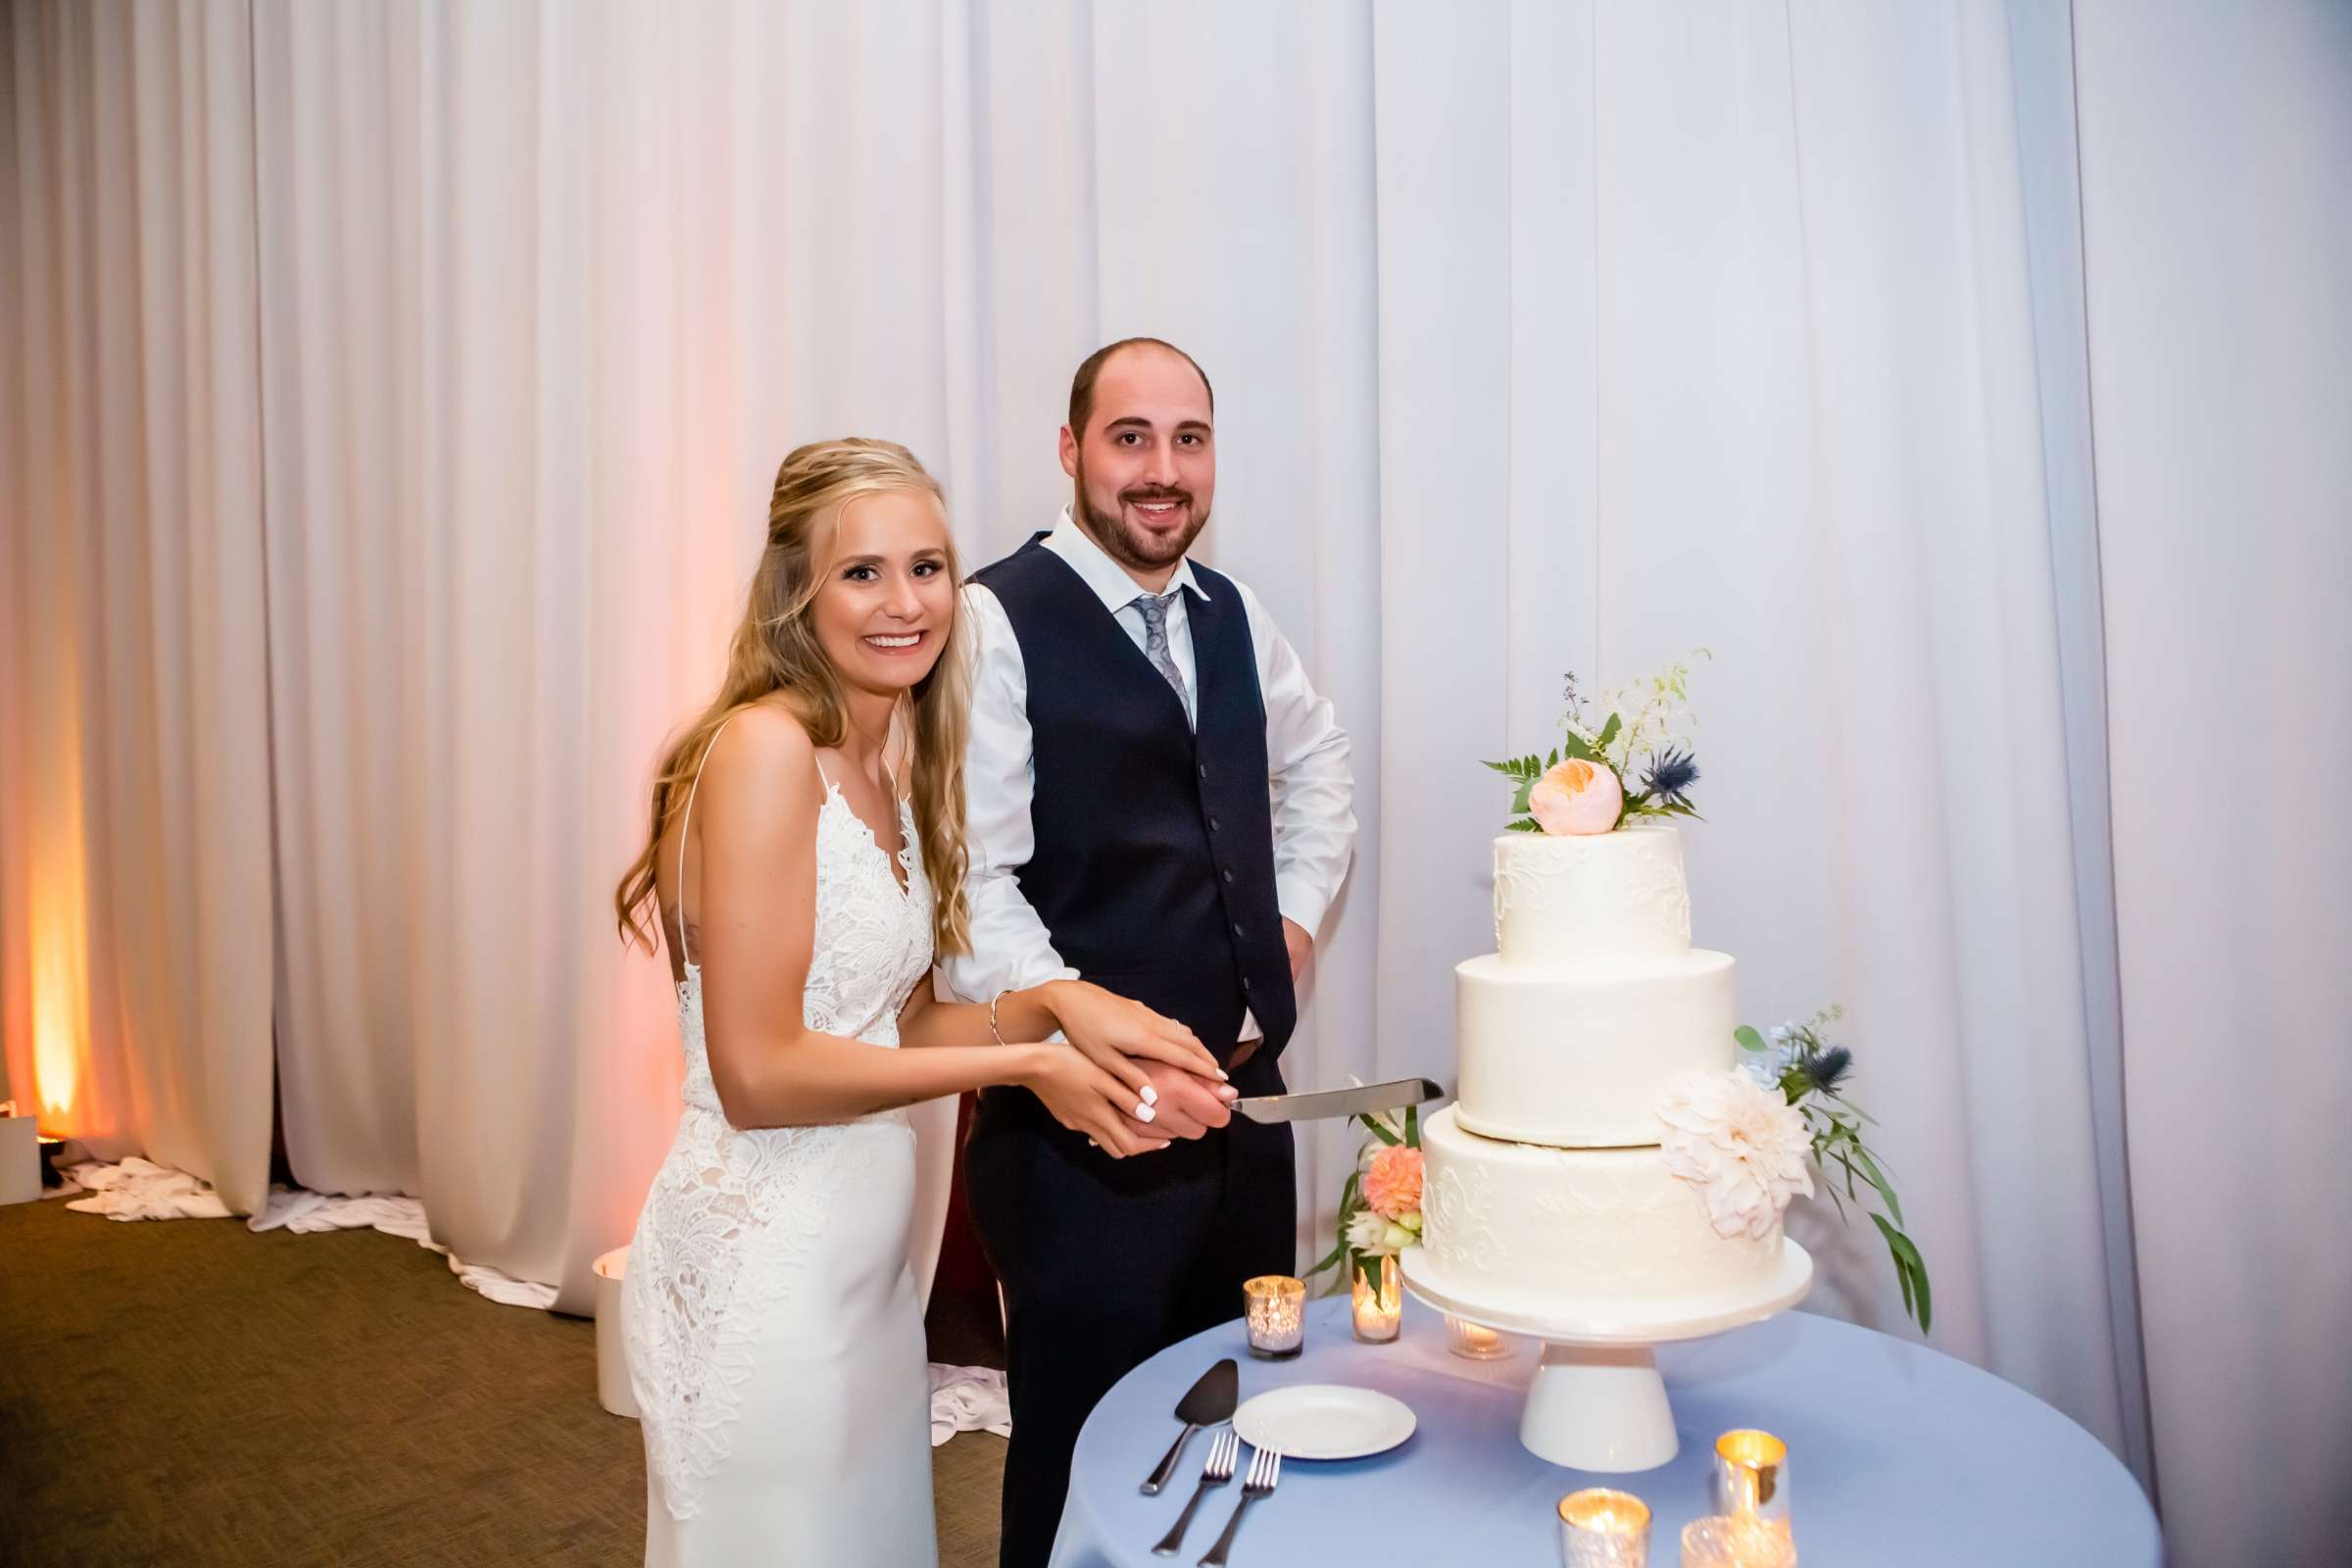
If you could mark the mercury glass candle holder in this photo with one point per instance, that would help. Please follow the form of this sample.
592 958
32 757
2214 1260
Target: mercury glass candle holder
1604 1529
1751 1476
1474 1340
1274 1307
1378 1302
1738 1541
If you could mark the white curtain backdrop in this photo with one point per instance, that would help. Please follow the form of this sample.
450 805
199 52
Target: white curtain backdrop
1545 337
2216 186
136 903
1732 346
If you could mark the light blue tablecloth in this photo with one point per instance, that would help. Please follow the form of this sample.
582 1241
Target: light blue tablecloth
1897 1455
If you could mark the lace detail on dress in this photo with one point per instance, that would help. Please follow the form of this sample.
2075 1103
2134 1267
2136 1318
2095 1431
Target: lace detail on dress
733 1211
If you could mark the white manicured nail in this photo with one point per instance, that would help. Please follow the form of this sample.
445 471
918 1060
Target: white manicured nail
1222 1073
1144 1113
1151 1094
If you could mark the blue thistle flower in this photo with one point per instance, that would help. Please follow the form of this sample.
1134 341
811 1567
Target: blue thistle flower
1669 776
1826 1070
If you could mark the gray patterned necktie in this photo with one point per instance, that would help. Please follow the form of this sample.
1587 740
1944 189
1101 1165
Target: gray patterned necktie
1155 640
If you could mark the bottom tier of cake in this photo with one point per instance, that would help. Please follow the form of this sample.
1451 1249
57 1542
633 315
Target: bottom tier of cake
1605 1232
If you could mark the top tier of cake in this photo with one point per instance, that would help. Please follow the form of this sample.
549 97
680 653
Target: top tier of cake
1611 899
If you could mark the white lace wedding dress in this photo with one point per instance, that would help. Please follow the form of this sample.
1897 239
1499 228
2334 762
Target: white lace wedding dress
775 1344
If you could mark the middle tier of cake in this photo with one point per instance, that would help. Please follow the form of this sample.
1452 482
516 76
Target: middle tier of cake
1549 1232
1577 1057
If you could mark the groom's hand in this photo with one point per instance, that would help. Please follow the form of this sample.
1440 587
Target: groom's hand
1302 946
1188 1104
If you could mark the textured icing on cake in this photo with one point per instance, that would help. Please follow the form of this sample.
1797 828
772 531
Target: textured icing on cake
1607 898
1533 1230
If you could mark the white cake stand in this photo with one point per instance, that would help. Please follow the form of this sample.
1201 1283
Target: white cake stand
1598 1401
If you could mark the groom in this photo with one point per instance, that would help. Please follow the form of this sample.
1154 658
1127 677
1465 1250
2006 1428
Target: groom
1158 803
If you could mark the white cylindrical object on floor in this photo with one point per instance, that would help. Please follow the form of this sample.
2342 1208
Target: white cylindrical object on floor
612 1350
20 1160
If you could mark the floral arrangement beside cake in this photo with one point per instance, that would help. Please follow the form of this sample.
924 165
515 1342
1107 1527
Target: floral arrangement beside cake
1380 1208
1620 1149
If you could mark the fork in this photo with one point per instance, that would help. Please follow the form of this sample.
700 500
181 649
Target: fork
1222 1452
1265 1469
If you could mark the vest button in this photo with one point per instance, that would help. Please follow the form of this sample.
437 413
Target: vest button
1244 982
1205 771
1212 824
1229 874
1237 930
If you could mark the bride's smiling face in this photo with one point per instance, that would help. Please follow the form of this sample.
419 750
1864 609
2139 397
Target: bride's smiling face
883 611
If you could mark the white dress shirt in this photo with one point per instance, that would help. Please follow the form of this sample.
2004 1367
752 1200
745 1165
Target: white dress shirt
1306 760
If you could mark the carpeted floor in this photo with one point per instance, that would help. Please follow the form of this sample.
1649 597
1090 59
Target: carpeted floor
190 1392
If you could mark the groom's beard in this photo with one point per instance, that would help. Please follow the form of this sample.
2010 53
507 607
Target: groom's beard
1134 547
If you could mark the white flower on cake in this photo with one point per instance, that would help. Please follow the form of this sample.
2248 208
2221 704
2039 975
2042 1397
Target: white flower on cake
1742 1145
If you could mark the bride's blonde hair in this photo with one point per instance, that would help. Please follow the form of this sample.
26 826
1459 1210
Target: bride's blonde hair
775 649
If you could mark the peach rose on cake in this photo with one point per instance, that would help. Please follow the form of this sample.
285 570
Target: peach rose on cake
1577 796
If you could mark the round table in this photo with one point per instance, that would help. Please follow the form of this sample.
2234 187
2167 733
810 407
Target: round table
1896 1454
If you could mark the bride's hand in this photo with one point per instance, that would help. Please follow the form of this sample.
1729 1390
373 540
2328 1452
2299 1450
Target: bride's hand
1118 1032
1085 1098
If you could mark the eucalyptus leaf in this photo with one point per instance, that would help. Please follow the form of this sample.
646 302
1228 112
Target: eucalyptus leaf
1608 732
1911 1270
1878 1179
1748 1037
1927 1305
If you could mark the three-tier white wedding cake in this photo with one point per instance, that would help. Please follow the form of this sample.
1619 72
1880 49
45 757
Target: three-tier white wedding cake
1546 1194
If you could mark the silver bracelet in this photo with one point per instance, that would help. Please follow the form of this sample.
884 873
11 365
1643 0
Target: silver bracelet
994 1032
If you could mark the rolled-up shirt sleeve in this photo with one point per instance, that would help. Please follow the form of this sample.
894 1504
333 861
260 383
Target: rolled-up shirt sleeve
1306 763
1011 946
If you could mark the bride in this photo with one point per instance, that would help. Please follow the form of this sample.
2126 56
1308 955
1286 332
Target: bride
805 861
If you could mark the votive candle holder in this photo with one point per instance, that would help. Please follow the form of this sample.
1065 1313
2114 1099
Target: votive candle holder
1474 1340
1738 1541
1377 1300
1604 1529
1751 1476
1274 1307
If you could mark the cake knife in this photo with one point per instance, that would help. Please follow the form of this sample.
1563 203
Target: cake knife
1355 1101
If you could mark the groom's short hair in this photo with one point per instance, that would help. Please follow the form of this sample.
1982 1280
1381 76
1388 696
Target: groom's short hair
1081 385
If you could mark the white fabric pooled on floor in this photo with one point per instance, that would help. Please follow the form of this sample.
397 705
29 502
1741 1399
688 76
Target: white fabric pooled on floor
140 1188
963 1398
968 1398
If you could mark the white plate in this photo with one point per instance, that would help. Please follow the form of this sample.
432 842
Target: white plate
1323 1421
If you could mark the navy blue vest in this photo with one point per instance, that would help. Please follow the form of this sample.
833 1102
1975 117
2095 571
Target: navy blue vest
1153 867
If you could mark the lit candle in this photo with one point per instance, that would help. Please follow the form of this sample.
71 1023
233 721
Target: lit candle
1751 1476
1604 1529
1742 1541
1474 1340
1378 1302
1275 1307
